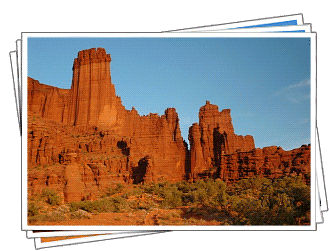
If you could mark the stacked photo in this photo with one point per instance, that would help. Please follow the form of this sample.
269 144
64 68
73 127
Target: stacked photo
211 128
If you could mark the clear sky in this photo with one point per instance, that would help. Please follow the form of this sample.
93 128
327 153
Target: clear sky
264 81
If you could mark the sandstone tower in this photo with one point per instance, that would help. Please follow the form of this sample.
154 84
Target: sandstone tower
92 94
213 137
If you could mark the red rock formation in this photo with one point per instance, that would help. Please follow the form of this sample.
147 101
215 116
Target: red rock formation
73 177
213 137
270 162
92 93
82 141
94 124
159 137
47 101
198 164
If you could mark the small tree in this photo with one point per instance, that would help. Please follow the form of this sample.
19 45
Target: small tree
51 197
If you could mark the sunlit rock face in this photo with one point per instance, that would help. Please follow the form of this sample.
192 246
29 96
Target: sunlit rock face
83 140
213 137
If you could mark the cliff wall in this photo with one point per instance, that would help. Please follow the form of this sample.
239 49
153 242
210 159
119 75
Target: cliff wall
83 140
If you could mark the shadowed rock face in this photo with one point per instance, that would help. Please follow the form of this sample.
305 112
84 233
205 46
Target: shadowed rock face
83 140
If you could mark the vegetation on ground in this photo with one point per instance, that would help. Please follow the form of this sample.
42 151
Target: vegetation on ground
254 201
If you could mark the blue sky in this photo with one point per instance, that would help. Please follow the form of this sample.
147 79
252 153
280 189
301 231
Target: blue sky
264 81
284 23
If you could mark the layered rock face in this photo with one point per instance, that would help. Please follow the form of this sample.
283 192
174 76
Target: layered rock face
92 93
270 162
213 137
90 121
159 138
217 152
47 101
83 140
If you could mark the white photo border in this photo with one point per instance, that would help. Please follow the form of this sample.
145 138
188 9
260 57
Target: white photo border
26 35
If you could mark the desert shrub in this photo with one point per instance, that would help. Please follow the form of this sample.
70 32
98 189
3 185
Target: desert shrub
50 216
111 191
201 192
221 198
169 216
91 206
157 188
37 218
134 192
51 197
208 192
55 216
251 212
80 214
201 184
298 193
95 206
233 200
63 209
202 196
258 182
171 199
115 204
277 210
284 201
211 189
183 186
32 209
196 196
281 210
118 204
250 186
120 186
188 198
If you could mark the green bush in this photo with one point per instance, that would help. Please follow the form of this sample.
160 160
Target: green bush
51 197
98 206
134 192
171 202
111 191
183 186
277 210
33 210
183 193
284 201
115 204
50 216
249 186
172 198
221 198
